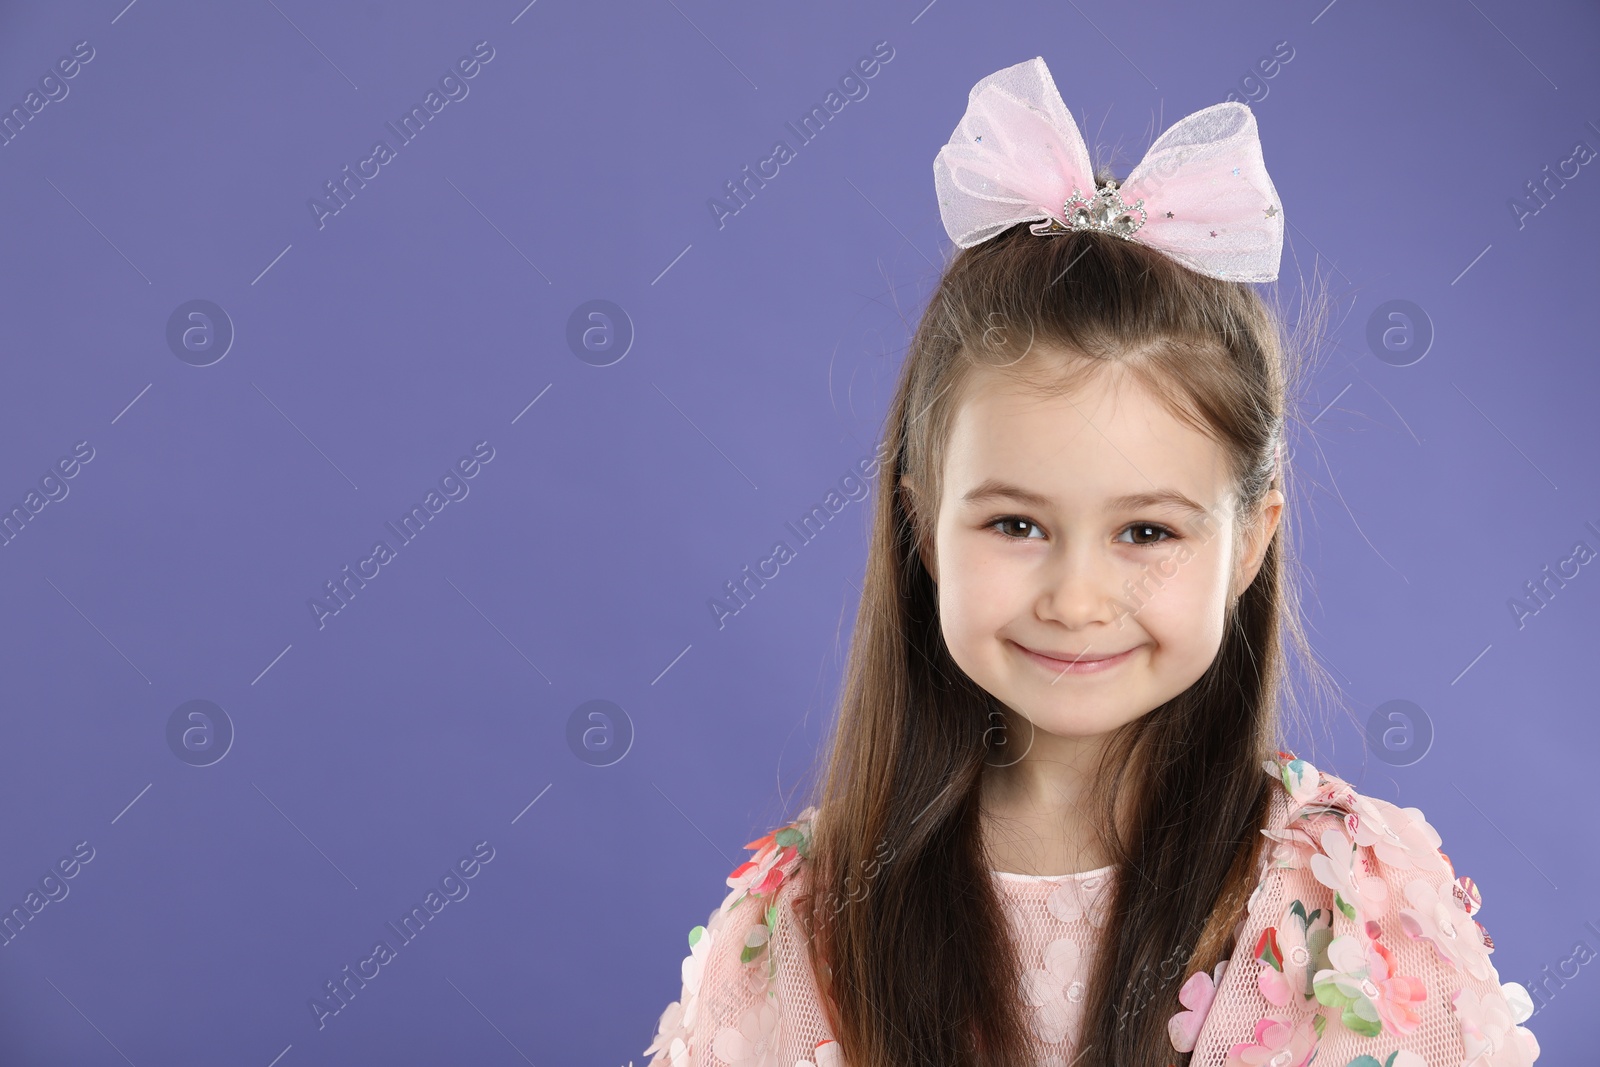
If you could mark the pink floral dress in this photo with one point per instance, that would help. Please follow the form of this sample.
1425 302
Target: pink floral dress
1359 946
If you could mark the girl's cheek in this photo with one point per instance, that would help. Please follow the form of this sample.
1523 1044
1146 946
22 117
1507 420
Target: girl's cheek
972 601
1171 589
973 566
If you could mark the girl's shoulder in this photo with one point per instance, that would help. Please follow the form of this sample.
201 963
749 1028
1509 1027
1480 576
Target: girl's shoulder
1382 865
1361 941
775 857
783 844
1317 813
736 997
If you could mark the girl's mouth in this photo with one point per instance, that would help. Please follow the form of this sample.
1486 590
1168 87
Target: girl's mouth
1089 662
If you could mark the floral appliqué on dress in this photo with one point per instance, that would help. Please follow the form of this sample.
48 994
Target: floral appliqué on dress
1057 991
1359 948
751 1042
1339 964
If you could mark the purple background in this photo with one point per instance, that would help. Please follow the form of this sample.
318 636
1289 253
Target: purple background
371 353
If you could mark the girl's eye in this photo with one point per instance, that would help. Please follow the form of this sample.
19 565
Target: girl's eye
1154 530
1143 527
1012 521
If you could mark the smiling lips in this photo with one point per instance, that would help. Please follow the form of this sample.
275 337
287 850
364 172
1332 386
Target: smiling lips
1073 663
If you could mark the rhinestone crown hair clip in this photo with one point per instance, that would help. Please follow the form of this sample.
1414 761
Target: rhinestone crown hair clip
1105 211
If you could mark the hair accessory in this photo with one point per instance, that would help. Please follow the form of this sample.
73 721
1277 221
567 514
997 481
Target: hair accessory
1201 194
1106 211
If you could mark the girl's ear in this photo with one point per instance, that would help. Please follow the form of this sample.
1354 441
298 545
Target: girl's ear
1257 538
915 511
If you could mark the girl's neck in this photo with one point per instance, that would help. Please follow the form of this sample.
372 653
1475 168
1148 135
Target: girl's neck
1034 819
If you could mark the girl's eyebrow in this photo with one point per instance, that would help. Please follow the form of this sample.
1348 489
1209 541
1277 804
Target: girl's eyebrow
996 489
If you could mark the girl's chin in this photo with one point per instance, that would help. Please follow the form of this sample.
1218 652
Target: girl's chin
1077 725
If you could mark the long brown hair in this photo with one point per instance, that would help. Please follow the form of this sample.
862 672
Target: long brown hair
909 943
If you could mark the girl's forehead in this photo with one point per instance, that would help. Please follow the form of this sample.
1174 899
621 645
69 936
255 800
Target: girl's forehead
1106 438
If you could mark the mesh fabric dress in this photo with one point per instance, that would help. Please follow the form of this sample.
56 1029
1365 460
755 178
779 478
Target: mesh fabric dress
1358 947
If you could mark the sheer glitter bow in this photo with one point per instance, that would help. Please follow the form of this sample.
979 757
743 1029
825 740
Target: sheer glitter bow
1200 195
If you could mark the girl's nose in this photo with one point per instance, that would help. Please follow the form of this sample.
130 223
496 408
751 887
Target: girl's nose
1081 589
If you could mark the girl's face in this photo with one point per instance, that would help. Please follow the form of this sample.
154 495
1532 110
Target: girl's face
1081 527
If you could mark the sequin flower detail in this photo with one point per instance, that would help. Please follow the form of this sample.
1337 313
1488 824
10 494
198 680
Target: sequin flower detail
1293 846
1360 980
1277 1044
764 872
1290 954
1299 777
1490 1033
1270 977
1057 991
752 1043
701 939
1399 837
1438 916
670 1034
677 1021
1078 898
1196 996
1360 895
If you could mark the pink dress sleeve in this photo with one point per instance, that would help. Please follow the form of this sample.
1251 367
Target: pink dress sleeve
748 999
1360 948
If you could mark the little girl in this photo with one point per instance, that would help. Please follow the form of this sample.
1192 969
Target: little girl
1056 826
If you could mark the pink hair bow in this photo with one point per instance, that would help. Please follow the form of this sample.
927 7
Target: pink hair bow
1200 195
